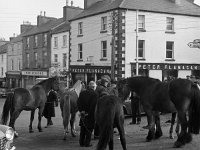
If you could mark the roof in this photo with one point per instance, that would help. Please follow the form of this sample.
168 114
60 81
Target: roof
44 27
63 27
3 48
161 6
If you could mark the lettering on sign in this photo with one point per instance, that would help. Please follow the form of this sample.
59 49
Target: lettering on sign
90 70
34 73
194 44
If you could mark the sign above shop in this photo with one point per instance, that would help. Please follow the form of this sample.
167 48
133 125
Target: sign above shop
164 66
194 44
34 73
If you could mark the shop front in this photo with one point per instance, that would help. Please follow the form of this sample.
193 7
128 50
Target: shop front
88 73
29 77
166 71
14 79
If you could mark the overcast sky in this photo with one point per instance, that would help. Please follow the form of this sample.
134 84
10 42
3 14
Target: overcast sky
14 12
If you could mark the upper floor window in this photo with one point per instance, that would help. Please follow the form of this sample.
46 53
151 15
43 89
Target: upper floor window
169 50
36 59
27 60
19 64
170 24
28 42
36 40
55 57
80 51
1 71
44 59
80 28
103 23
45 39
64 60
55 42
141 44
141 22
64 40
103 49
12 64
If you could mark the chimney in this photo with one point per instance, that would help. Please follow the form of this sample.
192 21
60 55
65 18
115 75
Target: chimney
70 11
43 19
88 3
25 26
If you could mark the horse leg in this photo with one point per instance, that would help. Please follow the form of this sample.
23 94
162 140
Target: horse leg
72 124
158 133
183 137
111 140
15 114
177 127
171 135
31 121
151 123
66 119
120 127
39 119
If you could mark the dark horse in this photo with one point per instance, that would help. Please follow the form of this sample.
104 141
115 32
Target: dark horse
23 99
179 95
109 114
68 106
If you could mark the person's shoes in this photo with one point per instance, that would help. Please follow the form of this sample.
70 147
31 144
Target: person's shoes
89 145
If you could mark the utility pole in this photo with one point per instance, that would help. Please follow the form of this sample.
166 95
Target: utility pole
137 64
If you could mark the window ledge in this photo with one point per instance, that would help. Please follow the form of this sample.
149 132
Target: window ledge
170 32
80 60
169 59
80 35
141 59
103 59
141 30
103 31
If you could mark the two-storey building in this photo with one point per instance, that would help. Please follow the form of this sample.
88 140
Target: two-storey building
158 36
3 64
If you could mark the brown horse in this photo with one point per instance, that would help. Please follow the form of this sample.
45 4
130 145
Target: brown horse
68 106
23 99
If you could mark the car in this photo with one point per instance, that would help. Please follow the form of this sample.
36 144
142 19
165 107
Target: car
6 138
3 92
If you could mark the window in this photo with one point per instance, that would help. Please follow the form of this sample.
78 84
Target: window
12 65
44 59
141 22
103 49
45 39
64 40
80 51
55 42
80 28
141 48
103 23
1 71
27 60
12 47
55 57
170 24
36 40
64 60
28 42
169 50
36 59
19 64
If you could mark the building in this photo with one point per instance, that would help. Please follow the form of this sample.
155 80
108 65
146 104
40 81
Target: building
3 64
14 58
165 33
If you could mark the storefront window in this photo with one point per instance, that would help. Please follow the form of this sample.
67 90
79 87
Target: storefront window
168 75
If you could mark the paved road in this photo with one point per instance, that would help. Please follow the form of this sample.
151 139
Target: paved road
51 138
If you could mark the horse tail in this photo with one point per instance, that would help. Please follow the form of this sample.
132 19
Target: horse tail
194 111
66 110
8 105
106 130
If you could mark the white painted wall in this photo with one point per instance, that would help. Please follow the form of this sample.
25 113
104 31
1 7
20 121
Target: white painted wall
3 64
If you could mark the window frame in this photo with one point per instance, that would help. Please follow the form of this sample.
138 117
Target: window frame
27 60
169 50
28 42
36 41
104 49
141 22
36 59
80 28
44 39
55 42
80 51
141 50
64 40
64 59
104 23
170 24
55 58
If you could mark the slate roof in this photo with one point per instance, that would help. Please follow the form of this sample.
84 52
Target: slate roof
44 27
3 48
64 27
161 6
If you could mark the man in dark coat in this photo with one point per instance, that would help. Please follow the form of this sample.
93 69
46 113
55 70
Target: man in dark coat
86 105
49 110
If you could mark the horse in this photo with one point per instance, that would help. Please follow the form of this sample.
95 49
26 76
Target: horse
68 106
109 114
154 99
29 100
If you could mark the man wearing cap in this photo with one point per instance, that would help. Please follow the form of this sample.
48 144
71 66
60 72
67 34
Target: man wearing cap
86 105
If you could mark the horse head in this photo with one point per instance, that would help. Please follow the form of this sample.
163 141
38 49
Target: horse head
123 89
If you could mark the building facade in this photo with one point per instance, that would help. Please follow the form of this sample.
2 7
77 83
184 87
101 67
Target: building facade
157 40
3 64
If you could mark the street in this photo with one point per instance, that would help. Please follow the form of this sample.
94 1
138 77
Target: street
51 138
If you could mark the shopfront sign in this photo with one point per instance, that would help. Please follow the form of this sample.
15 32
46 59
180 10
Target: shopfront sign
93 69
34 73
164 66
194 44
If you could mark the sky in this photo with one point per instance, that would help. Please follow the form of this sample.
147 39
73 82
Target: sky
14 12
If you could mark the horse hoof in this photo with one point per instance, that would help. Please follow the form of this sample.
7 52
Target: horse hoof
31 131
177 144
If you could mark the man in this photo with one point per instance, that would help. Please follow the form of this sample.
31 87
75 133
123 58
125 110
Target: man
49 109
136 108
86 105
